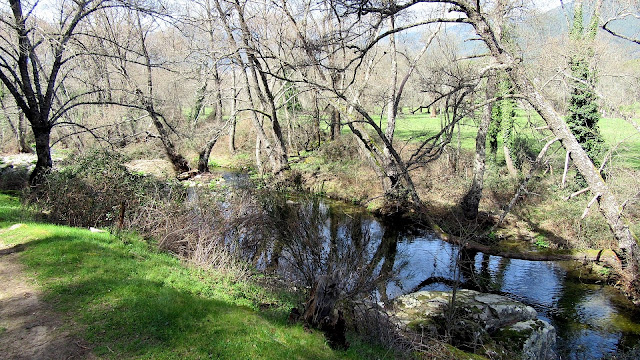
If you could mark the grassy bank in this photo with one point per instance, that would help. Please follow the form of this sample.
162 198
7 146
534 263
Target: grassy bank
128 300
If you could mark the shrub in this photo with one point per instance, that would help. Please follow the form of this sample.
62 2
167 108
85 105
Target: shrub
95 190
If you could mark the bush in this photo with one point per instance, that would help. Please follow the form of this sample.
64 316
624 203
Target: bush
340 149
95 190
13 178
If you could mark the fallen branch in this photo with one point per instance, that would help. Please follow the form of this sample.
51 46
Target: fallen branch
579 192
586 210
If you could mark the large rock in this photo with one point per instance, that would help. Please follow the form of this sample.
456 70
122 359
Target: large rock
534 339
476 320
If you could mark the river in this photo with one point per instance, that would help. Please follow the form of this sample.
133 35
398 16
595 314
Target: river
369 258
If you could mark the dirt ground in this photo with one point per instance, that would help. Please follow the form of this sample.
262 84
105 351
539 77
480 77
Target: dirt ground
29 328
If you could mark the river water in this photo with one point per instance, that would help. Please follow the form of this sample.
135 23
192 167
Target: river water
328 238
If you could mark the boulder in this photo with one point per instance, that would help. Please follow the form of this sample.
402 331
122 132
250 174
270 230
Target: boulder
534 339
477 320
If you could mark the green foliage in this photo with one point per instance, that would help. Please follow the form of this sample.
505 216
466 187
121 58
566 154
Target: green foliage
524 149
292 102
542 242
503 118
584 115
494 130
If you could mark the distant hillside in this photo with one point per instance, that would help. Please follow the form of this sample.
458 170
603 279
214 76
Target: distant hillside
541 28
557 21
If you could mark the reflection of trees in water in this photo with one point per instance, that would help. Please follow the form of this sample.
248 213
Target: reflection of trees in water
566 319
307 239
334 254
324 242
468 274
479 276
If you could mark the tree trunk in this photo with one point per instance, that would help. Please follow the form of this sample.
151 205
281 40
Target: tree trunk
258 154
471 201
334 115
232 131
232 120
316 118
607 202
21 135
43 151
180 164
203 156
509 161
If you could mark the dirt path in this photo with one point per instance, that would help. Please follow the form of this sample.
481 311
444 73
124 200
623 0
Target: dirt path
29 328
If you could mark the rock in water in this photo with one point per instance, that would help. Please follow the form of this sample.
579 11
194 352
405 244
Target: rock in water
534 339
476 320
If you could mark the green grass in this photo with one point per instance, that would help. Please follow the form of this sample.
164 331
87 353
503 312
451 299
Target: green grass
617 131
614 130
131 301
419 127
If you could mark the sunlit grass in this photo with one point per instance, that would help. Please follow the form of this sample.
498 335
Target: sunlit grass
617 133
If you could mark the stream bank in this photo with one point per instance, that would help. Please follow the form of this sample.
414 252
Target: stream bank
591 317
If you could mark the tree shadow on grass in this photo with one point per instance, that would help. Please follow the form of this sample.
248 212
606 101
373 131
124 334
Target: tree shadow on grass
133 303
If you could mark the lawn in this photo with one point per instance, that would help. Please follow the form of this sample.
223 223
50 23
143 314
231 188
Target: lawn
132 301
617 133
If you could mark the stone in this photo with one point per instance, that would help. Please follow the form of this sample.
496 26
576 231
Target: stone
477 319
537 339
16 226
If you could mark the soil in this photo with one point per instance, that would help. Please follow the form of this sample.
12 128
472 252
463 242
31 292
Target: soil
29 327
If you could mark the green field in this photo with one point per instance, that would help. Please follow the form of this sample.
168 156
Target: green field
616 132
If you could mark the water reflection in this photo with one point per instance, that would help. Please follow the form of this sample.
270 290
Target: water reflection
311 239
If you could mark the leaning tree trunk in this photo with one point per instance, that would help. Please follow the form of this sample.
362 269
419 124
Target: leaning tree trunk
471 201
179 163
609 206
203 156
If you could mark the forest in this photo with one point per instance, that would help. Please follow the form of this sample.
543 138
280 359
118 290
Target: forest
320 179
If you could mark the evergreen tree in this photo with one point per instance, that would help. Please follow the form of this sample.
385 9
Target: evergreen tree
502 119
583 113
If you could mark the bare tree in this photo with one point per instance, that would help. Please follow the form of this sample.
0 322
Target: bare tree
36 59
256 83
472 13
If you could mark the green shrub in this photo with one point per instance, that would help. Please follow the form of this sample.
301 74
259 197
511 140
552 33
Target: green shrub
95 190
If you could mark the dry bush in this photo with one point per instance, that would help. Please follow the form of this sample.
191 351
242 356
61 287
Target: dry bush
97 190
195 228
